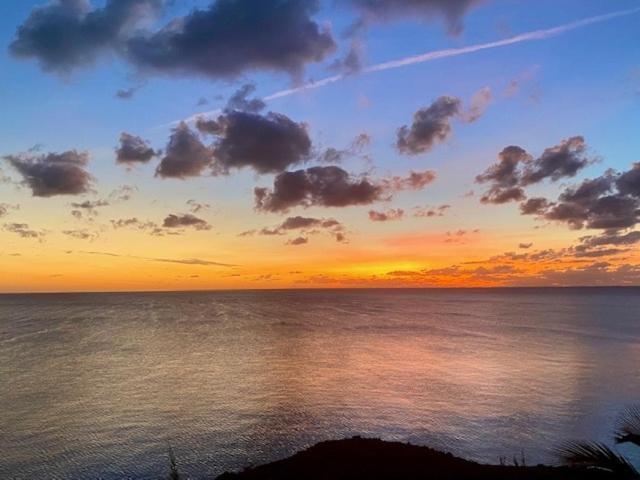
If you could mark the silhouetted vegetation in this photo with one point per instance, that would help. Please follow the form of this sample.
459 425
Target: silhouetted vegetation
596 455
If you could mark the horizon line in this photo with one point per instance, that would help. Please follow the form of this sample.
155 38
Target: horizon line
302 289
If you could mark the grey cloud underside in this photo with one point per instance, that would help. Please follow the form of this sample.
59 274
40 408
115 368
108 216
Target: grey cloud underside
234 36
133 149
67 34
185 155
517 169
321 186
23 230
226 39
431 125
266 143
185 220
452 11
331 186
53 173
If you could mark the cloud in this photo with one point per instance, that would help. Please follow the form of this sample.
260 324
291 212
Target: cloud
128 93
561 161
451 11
629 182
88 207
196 207
334 155
134 223
186 220
53 173
328 186
517 169
428 212
480 101
185 155
298 241
431 56
239 100
431 125
266 143
387 215
123 193
186 261
232 37
67 34
413 181
594 204
133 150
24 231
5 208
525 245
307 225
81 234
611 238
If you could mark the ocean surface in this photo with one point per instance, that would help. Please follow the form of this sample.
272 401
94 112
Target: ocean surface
99 385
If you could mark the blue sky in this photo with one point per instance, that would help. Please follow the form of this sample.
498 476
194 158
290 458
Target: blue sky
582 82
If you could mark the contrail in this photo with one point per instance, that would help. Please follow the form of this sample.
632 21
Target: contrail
438 54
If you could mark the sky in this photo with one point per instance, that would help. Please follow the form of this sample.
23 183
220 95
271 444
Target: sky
218 144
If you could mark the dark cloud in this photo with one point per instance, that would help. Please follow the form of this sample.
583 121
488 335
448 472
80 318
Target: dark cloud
385 216
534 206
328 186
525 245
235 36
307 225
133 150
53 173
504 176
517 169
185 220
23 230
428 212
239 100
561 161
185 155
629 182
298 241
266 143
431 125
594 203
611 238
67 34
451 11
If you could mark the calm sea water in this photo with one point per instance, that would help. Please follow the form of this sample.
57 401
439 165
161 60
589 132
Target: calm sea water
98 385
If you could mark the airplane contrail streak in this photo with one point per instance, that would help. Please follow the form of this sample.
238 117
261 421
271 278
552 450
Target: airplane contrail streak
439 54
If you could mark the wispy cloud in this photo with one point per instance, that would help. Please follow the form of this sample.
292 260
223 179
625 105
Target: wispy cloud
440 54
186 261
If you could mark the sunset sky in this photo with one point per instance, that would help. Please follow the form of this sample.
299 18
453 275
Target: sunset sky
200 144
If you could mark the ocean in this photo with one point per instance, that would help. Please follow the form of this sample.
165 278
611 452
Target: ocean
99 385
